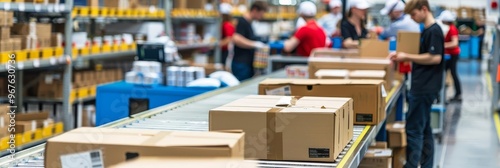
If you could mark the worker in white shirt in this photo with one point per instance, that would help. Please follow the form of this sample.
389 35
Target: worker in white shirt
399 20
330 20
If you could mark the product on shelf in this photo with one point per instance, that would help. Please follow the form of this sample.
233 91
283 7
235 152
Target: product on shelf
186 33
6 18
286 121
145 73
181 76
261 58
120 145
4 33
27 41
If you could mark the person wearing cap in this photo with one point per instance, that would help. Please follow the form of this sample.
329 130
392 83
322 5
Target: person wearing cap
309 36
330 20
227 30
353 28
399 20
452 49
426 80
245 42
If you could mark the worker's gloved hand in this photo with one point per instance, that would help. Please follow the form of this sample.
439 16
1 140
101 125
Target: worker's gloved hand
259 45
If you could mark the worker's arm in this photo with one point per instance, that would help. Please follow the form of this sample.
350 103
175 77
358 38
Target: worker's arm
291 44
424 59
225 41
243 42
453 43
349 43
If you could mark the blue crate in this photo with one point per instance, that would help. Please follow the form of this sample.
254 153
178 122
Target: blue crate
112 100
464 49
392 45
337 42
474 47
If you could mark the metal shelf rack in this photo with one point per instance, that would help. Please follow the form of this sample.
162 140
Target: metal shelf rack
494 70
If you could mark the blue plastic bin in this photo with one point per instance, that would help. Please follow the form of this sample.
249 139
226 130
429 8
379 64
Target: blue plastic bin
113 100
392 45
464 49
337 42
474 47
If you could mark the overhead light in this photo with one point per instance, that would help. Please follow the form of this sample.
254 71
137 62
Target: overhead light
286 2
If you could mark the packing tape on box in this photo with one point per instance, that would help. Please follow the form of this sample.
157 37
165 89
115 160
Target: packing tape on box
157 137
274 136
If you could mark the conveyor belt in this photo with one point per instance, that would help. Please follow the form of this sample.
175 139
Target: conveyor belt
192 115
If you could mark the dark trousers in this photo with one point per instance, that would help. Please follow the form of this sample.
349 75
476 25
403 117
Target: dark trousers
451 65
224 54
242 71
481 39
420 141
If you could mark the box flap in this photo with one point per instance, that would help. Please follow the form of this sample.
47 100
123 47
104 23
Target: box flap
341 73
320 82
351 60
367 73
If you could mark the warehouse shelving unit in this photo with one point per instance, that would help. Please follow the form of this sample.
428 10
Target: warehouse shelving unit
68 60
494 71
192 115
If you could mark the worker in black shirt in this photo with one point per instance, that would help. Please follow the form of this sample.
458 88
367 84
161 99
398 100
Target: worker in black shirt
246 42
352 28
426 81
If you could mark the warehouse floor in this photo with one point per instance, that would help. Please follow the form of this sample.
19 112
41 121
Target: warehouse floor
470 136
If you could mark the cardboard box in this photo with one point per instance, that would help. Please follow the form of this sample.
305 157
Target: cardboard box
368 95
6 18
408 42
143 4
88 117
316 64
16 43
32 116
329 52
186 163
93 3
377 158
120 145
41 30
288 128
187 4
27 42
4 115
44 42
24 126
50 86
121 4
353 74
5 45
373 48
56 40
4 33
397 134
398 157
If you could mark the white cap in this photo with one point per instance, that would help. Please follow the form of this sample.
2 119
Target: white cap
225 8
395 5
307 8
360 4
335 3
447 16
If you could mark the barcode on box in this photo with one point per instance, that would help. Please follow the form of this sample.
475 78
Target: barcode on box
89 159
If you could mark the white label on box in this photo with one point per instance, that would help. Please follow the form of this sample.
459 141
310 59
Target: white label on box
33 125
21 7
6 6
91 159
36 63
384 92
20 65
53 61
49 79
38 7
2 124
281 91
398 126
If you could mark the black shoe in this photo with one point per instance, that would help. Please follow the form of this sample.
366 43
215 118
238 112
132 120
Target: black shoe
457 98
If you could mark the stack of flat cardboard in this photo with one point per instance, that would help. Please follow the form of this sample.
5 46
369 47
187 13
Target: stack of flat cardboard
288 128
397 142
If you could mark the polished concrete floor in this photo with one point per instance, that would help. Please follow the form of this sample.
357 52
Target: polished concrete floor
470 138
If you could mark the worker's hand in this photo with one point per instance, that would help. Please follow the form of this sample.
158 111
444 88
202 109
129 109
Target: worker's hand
259 45
398 57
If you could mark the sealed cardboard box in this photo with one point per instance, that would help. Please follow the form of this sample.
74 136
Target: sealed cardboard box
408 42
4 33
287 128
6 18
108 146
50 86
5 45
186 163
329 52
122 4
27 42
377 158
399 157
16 43
44 42
373 48
24 126
187 4
368 95
41 30
32 116
316 64
397 134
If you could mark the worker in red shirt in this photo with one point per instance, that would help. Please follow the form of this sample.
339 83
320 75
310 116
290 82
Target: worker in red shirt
452 49
227 30
309 36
